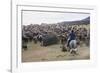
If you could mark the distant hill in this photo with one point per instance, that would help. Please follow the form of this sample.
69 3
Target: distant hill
78 22
84 21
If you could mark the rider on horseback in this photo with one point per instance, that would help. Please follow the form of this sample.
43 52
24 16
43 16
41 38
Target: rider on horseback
71 36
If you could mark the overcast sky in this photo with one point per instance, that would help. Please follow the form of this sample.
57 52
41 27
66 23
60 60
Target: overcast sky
31 17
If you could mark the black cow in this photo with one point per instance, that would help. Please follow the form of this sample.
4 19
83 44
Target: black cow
24 43
49 40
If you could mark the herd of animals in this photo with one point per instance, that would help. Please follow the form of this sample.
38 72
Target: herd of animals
54 34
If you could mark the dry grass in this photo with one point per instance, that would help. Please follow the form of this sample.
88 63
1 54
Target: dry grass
37 53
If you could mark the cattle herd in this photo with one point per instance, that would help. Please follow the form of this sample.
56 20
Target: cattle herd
49 34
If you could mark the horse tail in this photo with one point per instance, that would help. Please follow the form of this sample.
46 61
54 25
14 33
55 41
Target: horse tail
72 44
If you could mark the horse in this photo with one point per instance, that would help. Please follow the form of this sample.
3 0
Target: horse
73 47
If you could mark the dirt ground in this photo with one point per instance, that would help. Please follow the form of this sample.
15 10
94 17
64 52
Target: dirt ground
37 53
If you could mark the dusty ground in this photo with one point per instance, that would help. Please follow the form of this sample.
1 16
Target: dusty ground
38 53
